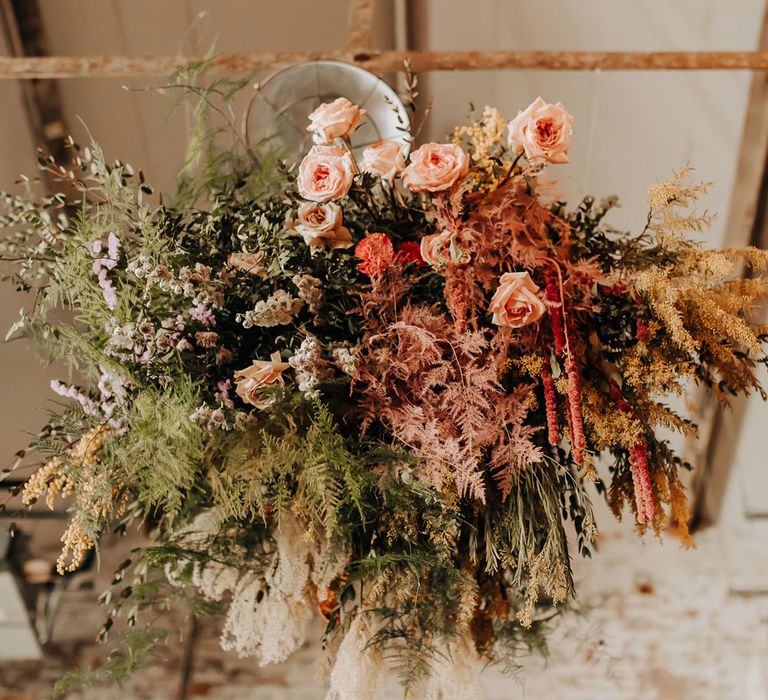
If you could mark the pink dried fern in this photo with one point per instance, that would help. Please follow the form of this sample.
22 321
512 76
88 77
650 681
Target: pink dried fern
435 388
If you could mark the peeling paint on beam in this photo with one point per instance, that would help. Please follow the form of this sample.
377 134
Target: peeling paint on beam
383 61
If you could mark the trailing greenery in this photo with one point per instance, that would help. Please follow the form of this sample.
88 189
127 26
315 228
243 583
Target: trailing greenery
133 651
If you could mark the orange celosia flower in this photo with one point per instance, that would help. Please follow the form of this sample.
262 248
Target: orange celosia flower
376 254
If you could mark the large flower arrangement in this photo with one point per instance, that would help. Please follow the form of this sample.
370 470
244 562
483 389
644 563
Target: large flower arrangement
372 391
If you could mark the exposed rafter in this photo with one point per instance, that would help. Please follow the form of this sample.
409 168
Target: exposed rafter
27 40
360 25
383 61
747 223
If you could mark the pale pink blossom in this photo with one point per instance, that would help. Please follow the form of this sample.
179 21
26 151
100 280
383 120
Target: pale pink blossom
337 119
433 248
252 263
543 131
516 302
251 382
435 167
320 225
383 159
325 174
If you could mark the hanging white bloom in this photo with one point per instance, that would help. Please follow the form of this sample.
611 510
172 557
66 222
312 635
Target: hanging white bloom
328 563
275 626
293 553
241 632
270 629
212 579
358 672
455 675
268 614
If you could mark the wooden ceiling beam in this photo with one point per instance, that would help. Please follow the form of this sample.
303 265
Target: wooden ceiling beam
58 67
27 40
360 26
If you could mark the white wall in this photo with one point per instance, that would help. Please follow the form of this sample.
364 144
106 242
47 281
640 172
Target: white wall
631 128
23 383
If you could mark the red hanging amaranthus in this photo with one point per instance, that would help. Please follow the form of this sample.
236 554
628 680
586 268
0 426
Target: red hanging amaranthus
550 401
638 464
578 440
561 331
555 310
641 481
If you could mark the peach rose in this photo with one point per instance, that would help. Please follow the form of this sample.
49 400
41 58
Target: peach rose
262 374
326 173
252 263
435 167
433 248
320 226
516 302
383 159
543 131
333 120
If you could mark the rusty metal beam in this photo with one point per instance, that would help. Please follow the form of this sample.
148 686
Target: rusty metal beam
50 67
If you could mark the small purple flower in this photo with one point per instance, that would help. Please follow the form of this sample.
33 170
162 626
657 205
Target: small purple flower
223 390
102 264
70 392
203 314
113 246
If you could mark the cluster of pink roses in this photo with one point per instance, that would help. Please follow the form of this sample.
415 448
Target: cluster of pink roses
326 174
542 132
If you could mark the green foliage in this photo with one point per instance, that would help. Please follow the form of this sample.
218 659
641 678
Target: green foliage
299 457
134 649
161 454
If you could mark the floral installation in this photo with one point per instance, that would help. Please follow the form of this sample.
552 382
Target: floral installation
381 394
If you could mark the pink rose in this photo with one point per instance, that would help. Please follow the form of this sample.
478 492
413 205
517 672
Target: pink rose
320 226
332 120
543 131
516 302
383 159
326 173
433 248
262 374
252 263
435 167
